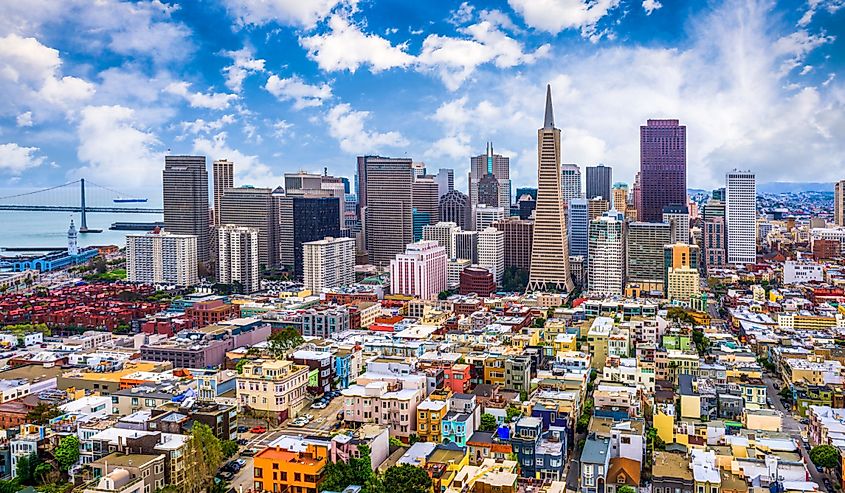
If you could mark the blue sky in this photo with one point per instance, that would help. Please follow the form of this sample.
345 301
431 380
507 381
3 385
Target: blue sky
103 90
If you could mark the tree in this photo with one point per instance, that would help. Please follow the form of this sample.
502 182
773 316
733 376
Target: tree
785 393
42 413
825 456
488 422
284 340
229 448
67 452
406 478
10 486
205 454
539 322
625 489
25 471
100 265
395 443
514 279
339 475
512 412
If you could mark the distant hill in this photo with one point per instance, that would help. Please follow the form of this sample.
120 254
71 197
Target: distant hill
785 187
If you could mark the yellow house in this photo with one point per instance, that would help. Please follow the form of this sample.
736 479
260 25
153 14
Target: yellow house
762 419
663 418
430 414
564 343
444 463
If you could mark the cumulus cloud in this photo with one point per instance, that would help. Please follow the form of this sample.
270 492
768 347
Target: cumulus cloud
249 168
115 150
651 5
288 12
831 6
347 126
554 16
243 64
345 47
15 159
294 89
210 100
24 119
727 86
201 125
30 76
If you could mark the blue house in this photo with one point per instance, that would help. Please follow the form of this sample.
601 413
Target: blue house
541 454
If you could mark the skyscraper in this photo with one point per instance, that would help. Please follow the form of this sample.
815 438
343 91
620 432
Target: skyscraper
223 178
488 191
237 257
644 254
519 235
304 218
682 278
550 250
442 233
387 194
491 252
599 179
620 197
252 208
606 269
185 200
426 197
570 182
714 243
485 216
741 217
328 263
677 216
445 181
419 271
578 227
493 164
454 207
465 245
663 167
839 203
158 257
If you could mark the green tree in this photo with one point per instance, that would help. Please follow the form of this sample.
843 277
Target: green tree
539 322
395 443
239 366
100 265
825 456
10 486
625 489
406 478
786 393
283 341
25 469
206 454
67 452
512 412
339 475
42 413
229 448
488 422
514 279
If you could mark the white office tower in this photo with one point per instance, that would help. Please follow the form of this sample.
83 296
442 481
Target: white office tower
420 271
607 255
677 217
491 252
159 257
454 267
741 217
570 182
237 248
328 263
442 233
485 216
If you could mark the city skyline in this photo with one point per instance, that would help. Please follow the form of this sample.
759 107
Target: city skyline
111 106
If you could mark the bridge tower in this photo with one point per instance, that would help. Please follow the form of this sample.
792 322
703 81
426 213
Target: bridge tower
83 223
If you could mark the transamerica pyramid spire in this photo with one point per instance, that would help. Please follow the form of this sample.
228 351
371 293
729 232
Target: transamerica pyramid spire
549 121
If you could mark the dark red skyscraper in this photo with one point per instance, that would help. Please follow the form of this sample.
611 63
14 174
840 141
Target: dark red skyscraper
663 167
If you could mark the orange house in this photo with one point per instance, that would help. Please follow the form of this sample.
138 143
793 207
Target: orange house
279 470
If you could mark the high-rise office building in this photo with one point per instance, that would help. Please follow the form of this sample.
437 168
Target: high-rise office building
485 216
550 250
599 179
252 208
578 225
454 207
663 167
426 198
223 176
741 217
488 191
304 218
442 233
237 257
454 267
303 180
491 252
465 245
637 197
644 254
570 182
185 200
420 271
606 267
839 203
680 267
677 217
159 257
526 205
620 198
328 263
597 206
445 179
313 183
387 194
493 164
519 234
715 256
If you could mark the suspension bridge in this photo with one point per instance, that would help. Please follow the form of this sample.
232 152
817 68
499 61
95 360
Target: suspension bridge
71 197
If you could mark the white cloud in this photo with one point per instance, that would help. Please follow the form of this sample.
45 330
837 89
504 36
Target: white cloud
30 76
294 89
346 47
651 5
243 64
796 46
347 126
280 128
288 12
15 159
206 126
212 101
554 16
248 168
831 6
455 146
24 119
462 14
115 150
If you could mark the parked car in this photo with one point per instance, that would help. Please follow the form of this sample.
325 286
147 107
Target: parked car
226 475
319 405
243 429
249 452
232 467
242 441
240 462
258 429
